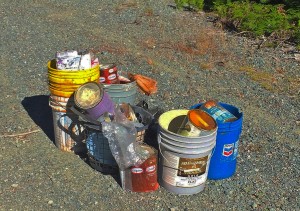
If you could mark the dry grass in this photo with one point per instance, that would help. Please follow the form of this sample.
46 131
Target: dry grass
149 43
150 61
126 5
61 16
209 48
265 79
207 66
148 11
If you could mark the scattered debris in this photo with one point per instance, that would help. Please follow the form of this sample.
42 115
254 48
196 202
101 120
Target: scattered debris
20 135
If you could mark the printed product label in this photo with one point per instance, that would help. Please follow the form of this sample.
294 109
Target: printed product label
230 151
184 172
102 79
111 70
112 76
137 170
218 114
150 169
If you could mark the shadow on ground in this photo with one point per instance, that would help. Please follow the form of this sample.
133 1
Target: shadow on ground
40 112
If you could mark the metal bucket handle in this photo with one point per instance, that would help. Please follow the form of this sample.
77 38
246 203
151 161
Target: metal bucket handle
87 121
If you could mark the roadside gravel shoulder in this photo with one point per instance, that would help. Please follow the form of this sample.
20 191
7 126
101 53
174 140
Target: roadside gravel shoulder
191 60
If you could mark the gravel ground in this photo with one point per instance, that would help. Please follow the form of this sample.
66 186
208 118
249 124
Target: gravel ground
191 60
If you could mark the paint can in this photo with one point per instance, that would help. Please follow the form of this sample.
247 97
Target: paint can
197 122
183 161
142 178
92 98
69 133
217 111
109 74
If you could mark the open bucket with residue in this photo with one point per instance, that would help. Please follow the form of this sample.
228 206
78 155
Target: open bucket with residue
184 159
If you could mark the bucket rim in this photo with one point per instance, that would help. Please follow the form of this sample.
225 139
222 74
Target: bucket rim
197 105
51 68
190 140
191 147
190 137
189 151
131 83
99 86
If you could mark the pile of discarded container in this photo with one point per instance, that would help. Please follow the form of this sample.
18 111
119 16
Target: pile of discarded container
95 112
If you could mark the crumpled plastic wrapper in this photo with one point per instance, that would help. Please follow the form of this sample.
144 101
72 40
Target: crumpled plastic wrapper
121 134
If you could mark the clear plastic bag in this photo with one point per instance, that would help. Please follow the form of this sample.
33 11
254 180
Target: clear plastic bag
121 134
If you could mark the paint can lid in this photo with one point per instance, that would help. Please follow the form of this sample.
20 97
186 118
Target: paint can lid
88 95
108 66
202 120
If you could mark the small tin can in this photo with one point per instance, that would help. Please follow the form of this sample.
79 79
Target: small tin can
197 122
144 176
219 113
92 98
109 74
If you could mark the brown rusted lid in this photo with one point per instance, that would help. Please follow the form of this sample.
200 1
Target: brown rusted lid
210 103
202 120
88 95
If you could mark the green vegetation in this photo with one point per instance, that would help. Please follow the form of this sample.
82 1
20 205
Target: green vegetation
259 17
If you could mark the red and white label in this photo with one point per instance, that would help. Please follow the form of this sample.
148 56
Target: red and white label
111 70
112 77
137 170
228 149
102 79
150 169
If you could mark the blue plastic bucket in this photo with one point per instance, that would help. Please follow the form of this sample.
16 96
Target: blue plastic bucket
224 159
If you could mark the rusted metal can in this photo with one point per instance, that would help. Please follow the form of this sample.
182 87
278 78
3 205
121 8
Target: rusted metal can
92 98
219 113
109 74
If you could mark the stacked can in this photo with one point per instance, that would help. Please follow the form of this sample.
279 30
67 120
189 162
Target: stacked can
109 74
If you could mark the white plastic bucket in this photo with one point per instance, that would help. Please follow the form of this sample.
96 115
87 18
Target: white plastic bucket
69 134
183 161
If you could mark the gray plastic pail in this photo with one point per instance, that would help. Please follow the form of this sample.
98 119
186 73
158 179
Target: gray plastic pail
120 93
